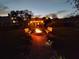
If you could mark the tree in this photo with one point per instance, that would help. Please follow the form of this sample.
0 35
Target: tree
75 3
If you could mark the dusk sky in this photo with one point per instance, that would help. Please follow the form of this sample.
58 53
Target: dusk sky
40 7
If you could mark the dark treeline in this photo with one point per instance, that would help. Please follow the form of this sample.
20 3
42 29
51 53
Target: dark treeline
72 21
6 22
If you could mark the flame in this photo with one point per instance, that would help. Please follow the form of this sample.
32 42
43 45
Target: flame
37 30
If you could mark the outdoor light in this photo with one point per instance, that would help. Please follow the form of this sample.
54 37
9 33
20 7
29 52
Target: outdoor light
14 21
26 30
50 29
